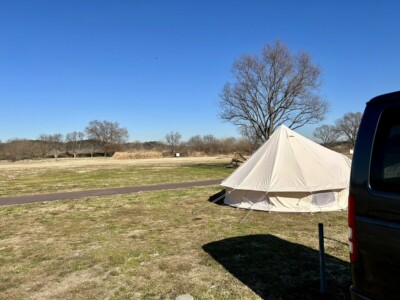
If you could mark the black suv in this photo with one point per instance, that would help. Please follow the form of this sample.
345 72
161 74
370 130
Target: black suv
374 202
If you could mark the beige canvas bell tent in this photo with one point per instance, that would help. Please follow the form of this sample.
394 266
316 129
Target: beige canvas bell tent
290 173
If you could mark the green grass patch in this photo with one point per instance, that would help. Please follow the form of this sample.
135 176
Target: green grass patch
151 246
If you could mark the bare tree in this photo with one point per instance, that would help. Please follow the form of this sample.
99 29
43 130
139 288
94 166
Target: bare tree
19 149
348 126
52 143
172 140
57 144
273 88
2 154
210 144
195 143
45 145
327 134
107 134
92 145
134 146
74 142
251 138
227 145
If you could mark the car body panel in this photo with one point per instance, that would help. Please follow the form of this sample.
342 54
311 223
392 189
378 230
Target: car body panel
375 272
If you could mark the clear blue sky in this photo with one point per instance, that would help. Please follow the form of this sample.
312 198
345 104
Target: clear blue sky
159 66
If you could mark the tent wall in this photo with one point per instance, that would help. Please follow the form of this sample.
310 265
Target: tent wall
288 201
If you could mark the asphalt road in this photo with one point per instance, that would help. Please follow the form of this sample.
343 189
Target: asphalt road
103 192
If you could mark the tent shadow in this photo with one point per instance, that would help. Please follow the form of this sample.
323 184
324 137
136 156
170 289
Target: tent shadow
216 196
277 269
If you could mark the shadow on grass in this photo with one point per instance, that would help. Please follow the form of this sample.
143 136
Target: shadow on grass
216 196
277 269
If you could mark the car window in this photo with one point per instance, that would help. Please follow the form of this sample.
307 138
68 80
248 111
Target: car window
385 161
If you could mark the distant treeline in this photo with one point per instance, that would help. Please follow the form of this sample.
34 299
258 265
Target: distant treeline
196 145
56 146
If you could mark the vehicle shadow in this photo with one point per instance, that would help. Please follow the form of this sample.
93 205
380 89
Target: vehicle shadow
278 269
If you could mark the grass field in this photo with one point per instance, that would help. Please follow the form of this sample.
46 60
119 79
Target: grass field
150 246
46 176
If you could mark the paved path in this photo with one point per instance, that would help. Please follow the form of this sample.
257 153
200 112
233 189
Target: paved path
103 192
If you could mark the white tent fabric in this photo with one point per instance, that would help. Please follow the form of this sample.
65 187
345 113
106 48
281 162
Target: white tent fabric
290 173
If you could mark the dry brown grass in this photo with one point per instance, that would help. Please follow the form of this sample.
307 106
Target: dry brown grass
150 246
46 176
140 154
197 154
100 162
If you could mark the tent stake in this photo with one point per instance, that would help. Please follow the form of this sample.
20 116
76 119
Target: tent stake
322 258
